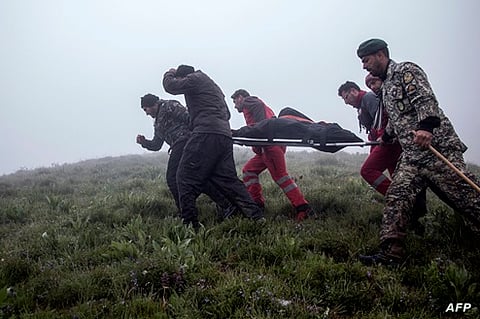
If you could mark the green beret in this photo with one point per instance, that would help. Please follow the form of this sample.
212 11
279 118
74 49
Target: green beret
370 47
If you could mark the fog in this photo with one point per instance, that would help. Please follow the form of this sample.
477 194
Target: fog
72 72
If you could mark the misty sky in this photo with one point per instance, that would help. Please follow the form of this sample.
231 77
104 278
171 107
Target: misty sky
72 72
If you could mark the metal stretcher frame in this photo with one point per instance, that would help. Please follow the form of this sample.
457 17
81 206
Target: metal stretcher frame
250 141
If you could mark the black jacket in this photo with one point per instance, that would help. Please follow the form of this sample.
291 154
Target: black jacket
205 101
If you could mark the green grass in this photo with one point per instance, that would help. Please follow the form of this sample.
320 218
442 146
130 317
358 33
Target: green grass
101 239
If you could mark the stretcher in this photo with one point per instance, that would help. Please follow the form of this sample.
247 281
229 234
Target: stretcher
251 141
298 131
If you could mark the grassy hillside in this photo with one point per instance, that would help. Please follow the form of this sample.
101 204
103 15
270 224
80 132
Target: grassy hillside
101 239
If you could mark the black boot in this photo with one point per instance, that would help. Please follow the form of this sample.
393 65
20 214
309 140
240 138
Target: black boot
303 212
379 259
390 254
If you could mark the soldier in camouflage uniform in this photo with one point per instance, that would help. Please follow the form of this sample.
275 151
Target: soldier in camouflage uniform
172 126
416 120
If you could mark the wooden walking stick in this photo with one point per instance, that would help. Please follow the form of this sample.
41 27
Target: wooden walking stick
455 169
446 161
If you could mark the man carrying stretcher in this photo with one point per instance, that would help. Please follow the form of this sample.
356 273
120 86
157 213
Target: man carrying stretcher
270 157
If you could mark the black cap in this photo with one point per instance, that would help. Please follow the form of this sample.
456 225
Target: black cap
148 100
370 47
184 70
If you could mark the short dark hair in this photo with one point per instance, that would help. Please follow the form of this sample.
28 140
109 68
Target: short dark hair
240 92
184 70
148 100
347 86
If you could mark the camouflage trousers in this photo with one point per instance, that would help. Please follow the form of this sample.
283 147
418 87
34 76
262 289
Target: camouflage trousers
411 177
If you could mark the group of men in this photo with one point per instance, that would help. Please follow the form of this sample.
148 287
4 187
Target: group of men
401 113
201 148
413 123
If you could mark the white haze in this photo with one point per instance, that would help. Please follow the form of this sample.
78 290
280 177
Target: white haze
72 72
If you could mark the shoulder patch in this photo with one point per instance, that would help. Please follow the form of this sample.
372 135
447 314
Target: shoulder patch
407 77
411 88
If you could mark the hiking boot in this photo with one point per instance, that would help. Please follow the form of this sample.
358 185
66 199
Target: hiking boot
301 216
303 212
380 259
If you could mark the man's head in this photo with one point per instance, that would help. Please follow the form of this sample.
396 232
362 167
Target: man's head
184 70
149 104
238 96
349 91
374 83
375 56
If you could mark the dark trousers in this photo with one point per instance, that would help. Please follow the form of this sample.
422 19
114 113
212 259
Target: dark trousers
176 153
209 158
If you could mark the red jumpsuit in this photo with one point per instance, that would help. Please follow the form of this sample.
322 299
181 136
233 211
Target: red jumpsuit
271 158
381 157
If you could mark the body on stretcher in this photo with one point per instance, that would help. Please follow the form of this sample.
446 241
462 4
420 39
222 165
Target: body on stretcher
292 128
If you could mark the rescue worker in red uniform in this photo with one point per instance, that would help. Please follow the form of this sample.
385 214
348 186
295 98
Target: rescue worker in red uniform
373 119
267 157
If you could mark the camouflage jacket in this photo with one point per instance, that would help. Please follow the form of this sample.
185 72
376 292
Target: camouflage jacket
171 125
409 99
